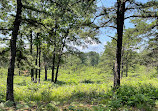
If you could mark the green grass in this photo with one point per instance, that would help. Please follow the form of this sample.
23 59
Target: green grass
87 89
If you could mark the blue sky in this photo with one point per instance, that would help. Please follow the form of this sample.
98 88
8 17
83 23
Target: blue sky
103 33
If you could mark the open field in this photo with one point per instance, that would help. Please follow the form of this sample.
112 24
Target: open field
84 90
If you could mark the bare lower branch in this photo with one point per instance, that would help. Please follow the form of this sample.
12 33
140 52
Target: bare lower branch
142 16
3 39
112 27
112 37
1 29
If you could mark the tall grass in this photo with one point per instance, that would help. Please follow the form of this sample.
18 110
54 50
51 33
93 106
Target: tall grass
89 88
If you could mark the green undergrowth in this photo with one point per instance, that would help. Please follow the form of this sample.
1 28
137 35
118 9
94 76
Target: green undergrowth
87 89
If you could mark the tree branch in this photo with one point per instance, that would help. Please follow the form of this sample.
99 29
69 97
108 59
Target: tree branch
112 27
1 29
4 51
142 16
2 39
112 37
34 9
33 22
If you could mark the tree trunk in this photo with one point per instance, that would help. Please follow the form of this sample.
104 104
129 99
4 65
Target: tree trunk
19 73
10 77
115 76
127 65
32 74
53 65
31 45
53 60
113 69
120 23
59 58
122 63
45 72
19 68
122 70
36 63
39 62
56 75
45 66
127 69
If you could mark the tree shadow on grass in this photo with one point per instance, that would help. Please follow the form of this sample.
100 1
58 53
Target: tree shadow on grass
87 81
58 82
92 97
23 83
61 83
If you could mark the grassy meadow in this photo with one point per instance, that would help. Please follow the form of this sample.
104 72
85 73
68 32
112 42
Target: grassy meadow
87 89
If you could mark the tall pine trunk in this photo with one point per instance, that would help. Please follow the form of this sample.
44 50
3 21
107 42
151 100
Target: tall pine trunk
53 65
31 45
45 66
10 77
39 63
53 59
127 65
127 68
36 73
122 63
120 23
122 69
36 63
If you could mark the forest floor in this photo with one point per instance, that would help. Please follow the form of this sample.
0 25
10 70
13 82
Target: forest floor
87 89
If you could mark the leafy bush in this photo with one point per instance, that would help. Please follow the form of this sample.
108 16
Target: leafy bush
141 96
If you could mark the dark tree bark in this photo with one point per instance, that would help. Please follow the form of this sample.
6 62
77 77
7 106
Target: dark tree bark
53 65
113 69
19 68
59 58
56 75
45 67
122 70
122 63
31 45
36 72
127 65
120 23
127 68
19 73
39 63
10 77
53 59
36 63
20 55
